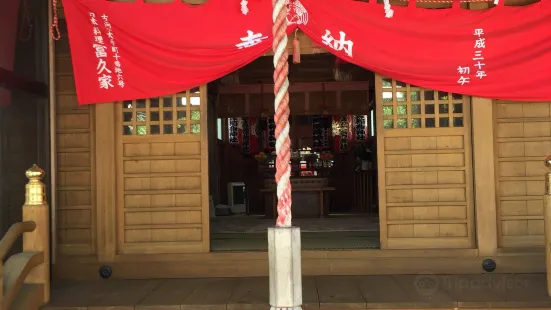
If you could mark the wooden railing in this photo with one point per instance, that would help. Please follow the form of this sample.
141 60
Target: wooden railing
25 276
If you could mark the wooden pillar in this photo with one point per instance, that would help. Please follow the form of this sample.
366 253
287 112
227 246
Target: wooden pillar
1 281
106 185
53 134
36 209
484 176
547 223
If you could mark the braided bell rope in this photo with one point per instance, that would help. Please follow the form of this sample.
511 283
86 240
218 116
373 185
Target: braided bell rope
282 111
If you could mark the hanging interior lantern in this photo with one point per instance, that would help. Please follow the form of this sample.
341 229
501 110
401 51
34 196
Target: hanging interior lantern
342 71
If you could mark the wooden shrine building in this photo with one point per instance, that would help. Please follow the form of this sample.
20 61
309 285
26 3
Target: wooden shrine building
459 179
388 178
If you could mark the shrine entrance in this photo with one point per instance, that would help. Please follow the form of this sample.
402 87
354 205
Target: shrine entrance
377 163
334 175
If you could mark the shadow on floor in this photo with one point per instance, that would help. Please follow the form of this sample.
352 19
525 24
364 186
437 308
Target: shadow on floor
334 240
322 292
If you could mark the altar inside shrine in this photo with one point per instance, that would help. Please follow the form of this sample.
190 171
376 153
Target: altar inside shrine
310 183
332 142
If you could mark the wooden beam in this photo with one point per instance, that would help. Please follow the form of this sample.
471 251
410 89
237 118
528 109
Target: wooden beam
319 262
11 81
293 88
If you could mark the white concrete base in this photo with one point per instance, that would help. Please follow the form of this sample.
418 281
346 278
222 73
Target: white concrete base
285 268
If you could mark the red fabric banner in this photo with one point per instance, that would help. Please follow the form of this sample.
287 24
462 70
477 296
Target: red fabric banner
500 53
141 50
124 51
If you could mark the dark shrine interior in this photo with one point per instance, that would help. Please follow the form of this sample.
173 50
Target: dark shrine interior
332 133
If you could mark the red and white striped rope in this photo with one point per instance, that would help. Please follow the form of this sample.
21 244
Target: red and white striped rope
282 111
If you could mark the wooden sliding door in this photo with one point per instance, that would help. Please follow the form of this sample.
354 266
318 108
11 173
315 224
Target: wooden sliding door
162 174
424 163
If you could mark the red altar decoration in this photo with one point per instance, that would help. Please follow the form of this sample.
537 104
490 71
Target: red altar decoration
127 50
254 142
243 131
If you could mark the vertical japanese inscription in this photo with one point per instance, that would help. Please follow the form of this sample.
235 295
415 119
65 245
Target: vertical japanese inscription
233 133
478 58
343 132
360 127
103 72
114 50
479 46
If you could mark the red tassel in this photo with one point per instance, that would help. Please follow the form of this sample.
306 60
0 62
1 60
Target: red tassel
296 50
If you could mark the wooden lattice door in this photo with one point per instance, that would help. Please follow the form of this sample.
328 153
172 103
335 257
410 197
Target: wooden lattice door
162 174
424 163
